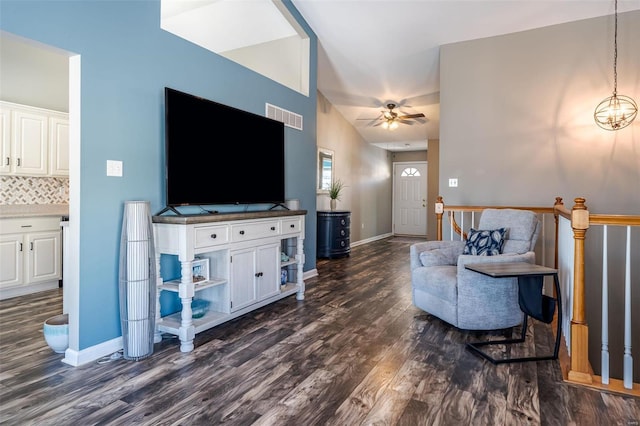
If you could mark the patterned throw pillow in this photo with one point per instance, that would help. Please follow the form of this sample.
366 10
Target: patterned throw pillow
485 242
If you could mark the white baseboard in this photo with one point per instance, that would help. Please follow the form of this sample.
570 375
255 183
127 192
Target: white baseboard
372 239
310 274
93 353
22 290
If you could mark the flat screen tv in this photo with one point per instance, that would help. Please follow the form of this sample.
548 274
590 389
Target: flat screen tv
217 154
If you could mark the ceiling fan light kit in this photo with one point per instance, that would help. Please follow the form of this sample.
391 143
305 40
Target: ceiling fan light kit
617 111
390 124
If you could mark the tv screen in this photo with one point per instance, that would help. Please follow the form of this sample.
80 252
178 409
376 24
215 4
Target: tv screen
217 154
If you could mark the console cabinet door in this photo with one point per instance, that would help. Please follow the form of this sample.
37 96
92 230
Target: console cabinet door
242 278
254 275
267 267
11 260
43 260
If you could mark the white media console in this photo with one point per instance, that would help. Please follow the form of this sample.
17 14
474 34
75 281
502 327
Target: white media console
239 259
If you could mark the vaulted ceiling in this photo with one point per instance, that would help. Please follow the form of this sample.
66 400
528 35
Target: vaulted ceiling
373 52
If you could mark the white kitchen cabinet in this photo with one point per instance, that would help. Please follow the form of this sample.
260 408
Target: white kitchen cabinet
29 143
5 140
58 145
35 141
30 251
244 265
11 260
43 256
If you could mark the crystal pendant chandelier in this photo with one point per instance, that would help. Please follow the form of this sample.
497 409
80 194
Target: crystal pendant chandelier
616 111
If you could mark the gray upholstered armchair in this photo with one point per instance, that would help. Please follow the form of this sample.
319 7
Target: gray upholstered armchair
468 300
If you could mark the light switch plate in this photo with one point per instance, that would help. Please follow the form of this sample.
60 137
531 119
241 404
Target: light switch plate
114 168
453 182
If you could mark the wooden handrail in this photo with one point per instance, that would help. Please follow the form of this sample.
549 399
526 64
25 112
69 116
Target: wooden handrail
561 210
612 219
441 208
537 209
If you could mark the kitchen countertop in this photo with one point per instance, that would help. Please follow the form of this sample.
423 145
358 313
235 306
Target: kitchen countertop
29 210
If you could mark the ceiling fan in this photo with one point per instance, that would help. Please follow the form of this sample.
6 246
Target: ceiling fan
390 118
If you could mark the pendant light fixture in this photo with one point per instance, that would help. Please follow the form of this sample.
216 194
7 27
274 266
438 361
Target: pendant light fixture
616 111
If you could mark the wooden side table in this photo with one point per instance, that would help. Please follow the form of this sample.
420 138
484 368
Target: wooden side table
518 270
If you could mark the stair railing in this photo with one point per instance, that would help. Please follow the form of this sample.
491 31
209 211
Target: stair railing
580 369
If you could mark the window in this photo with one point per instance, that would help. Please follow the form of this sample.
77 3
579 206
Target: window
325 169
410 172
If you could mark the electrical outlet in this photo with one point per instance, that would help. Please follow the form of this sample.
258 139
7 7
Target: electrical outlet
453 182
114 168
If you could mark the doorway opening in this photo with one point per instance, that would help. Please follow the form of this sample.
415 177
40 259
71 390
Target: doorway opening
48 77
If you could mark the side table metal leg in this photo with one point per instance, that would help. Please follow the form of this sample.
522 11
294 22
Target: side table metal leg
475 347
559 319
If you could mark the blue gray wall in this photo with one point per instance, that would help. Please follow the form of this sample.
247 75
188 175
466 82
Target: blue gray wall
127 60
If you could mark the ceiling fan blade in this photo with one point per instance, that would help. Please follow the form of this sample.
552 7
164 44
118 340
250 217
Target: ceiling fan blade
379 117
409 116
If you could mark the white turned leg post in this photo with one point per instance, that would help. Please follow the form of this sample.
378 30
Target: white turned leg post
157 336
187 330
300 265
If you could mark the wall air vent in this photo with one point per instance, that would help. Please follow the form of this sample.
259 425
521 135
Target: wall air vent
290 119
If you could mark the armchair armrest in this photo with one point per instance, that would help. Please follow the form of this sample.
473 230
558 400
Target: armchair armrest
448 250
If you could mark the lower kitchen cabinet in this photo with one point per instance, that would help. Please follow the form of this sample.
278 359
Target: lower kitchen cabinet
30 255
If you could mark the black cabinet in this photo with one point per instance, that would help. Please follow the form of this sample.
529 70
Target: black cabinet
334 234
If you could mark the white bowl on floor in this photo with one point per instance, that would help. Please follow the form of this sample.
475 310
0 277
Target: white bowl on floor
56 332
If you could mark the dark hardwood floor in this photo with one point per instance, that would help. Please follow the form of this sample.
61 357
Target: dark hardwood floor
355 352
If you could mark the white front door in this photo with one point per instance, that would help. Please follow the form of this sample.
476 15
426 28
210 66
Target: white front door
410 198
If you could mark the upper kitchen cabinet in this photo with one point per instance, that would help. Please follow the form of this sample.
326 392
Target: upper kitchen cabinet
35 141
59 145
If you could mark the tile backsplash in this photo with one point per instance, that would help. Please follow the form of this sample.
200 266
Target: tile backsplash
34 190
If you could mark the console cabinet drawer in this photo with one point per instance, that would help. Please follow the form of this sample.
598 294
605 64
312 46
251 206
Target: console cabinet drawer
253 230
291 226
211 235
